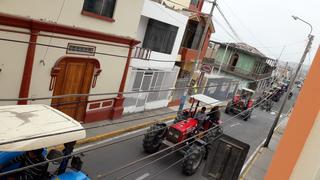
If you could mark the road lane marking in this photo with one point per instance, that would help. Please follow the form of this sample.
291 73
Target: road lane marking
143 176
236 124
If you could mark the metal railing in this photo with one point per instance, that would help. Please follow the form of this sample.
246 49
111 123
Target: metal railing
240 72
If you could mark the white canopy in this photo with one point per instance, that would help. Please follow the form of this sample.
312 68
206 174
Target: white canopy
247 89
206 99
27 121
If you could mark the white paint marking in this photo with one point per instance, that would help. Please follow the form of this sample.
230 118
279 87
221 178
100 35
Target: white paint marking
113 138
236 124
143 176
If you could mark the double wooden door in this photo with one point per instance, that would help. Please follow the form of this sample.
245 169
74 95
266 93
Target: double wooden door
75 77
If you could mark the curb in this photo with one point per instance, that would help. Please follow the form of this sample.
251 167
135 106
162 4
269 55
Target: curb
247 166
116 132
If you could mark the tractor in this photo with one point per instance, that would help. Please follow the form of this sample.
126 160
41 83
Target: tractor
266 102
33 128
277 93
241 104
193 139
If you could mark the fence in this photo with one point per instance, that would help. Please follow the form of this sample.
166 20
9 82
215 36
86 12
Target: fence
144 80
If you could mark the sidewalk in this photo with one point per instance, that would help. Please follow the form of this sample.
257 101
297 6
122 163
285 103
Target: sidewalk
257 167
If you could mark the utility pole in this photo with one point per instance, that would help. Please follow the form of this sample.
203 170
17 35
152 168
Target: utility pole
203 37
307 49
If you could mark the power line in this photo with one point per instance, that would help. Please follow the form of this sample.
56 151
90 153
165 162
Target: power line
248 30
94 127
129 92
225 30
229 25
177 144
132 163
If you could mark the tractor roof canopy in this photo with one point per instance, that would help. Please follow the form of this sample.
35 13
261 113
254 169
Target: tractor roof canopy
27 121
206 100
249 90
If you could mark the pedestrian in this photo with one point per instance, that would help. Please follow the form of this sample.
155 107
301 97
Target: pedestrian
27 159
201 116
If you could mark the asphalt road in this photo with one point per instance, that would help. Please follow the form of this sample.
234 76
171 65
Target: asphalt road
106 159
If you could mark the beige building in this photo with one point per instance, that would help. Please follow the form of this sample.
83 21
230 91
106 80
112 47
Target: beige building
56 47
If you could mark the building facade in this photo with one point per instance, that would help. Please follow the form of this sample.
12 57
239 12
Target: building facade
190 44
57 47
241 62
153 67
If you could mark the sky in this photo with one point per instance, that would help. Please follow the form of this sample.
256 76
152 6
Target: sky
268 26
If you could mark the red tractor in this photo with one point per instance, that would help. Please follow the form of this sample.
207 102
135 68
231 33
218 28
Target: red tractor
195 144
240 104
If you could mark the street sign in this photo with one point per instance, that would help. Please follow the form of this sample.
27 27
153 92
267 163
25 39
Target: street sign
206 68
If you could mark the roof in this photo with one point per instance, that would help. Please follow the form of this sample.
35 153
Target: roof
206 99
250 90
27 121
245 48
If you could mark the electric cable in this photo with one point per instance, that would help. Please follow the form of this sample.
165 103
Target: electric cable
163 150
115 142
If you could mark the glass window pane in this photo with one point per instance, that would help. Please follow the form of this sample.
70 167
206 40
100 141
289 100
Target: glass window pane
93 6
137 81
108 8
160 36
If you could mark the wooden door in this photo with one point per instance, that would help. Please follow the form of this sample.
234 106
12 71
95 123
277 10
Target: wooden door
75 77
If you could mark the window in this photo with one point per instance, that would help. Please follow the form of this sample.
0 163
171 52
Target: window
103 8
195 2
192 35
160 36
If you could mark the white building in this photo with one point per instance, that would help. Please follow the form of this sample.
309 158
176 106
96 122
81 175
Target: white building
160 31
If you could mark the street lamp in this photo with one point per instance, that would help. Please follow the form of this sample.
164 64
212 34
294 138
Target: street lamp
307 49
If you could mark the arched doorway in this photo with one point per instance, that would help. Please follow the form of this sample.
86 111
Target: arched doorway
73 75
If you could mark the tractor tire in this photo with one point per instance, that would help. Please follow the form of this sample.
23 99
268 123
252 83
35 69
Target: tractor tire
193 160
247 116
153 138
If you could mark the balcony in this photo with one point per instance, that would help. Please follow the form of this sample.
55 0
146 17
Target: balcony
188 55
142 53
240 72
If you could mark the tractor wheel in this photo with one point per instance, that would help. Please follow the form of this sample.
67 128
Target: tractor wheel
153 139
193 160
247 116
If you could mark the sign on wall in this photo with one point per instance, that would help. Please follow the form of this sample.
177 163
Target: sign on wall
207 68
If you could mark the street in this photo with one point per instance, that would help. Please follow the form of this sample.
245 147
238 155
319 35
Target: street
103 160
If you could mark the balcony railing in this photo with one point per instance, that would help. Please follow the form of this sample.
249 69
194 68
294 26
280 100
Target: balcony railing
241 72
142 53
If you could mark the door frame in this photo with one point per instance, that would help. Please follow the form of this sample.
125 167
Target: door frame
141 108
56 70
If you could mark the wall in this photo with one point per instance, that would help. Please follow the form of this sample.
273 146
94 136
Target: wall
297 155
158 12
49 10
179 4
12 60
246 62
220 53
108 81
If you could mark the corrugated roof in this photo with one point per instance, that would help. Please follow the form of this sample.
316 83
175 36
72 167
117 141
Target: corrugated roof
248 48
